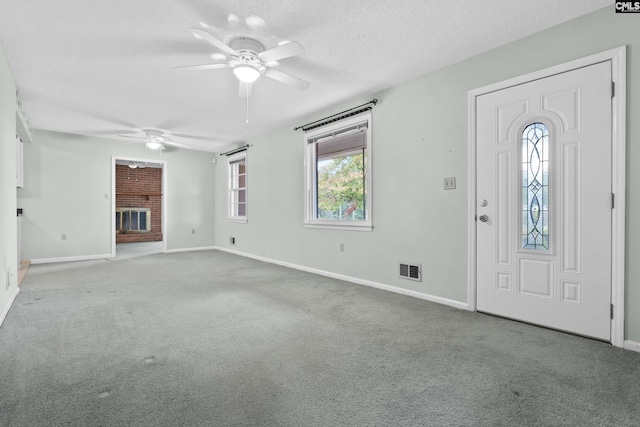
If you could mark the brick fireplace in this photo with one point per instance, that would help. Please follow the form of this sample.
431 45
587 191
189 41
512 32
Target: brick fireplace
138 204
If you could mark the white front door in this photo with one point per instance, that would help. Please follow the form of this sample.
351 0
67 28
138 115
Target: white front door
544 201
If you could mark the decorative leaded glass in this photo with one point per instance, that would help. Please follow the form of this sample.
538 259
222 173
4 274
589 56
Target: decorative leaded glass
535 187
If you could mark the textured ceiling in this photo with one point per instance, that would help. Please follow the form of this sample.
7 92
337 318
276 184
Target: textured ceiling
103 68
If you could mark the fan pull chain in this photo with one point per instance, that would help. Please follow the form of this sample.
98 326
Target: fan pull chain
247 110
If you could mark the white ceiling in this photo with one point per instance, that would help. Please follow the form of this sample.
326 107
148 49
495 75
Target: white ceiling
96 67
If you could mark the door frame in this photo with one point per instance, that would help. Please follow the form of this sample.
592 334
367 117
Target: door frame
617 56
113 198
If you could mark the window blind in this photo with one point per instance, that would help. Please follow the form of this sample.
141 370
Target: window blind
343 140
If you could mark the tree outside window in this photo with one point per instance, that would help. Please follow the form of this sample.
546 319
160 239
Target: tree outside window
341 187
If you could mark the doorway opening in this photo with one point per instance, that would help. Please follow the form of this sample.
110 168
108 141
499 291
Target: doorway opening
138 208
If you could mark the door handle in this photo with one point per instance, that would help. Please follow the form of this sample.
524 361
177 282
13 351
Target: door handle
483 218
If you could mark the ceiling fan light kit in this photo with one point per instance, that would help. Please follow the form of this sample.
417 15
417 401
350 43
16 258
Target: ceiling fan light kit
155 145
246 73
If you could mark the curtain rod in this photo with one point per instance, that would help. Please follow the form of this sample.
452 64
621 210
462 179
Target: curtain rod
235 150
338 116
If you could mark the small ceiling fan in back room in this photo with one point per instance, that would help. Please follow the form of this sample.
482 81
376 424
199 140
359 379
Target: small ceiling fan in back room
249 60
154 139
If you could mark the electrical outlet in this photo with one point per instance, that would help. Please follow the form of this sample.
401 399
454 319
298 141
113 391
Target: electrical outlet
341 247
106 195
64 237
450 183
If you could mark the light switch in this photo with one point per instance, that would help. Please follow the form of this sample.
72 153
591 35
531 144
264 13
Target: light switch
450 183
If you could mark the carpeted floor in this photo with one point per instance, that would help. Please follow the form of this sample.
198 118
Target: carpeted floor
212 339
135 249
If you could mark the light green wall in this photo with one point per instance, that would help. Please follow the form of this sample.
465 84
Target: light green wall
8 229
419 138
67 177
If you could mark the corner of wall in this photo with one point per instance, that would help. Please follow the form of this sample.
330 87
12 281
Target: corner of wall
9 304
8 192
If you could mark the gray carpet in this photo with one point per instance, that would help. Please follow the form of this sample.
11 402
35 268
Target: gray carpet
212 339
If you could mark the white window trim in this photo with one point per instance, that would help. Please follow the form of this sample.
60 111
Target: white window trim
310 220
230 159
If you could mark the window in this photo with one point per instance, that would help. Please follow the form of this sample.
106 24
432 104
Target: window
237 207
535 187
338 175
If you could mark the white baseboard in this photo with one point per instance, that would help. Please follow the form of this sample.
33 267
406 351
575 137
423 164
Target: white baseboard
5 311
71 258
395 289
201 248
104 256
632 345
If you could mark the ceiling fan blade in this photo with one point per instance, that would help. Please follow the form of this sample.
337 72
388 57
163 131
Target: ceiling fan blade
93 132
287 79
284 51
244 91
134 137
205 35
175 144
183 135
202 67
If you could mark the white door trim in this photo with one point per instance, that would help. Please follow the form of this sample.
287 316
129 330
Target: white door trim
113 199
617 57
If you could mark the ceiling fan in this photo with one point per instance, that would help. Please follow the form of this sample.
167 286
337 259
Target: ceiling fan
155 139
136 165
249 60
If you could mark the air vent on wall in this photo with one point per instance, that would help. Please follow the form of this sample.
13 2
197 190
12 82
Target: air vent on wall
411 271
